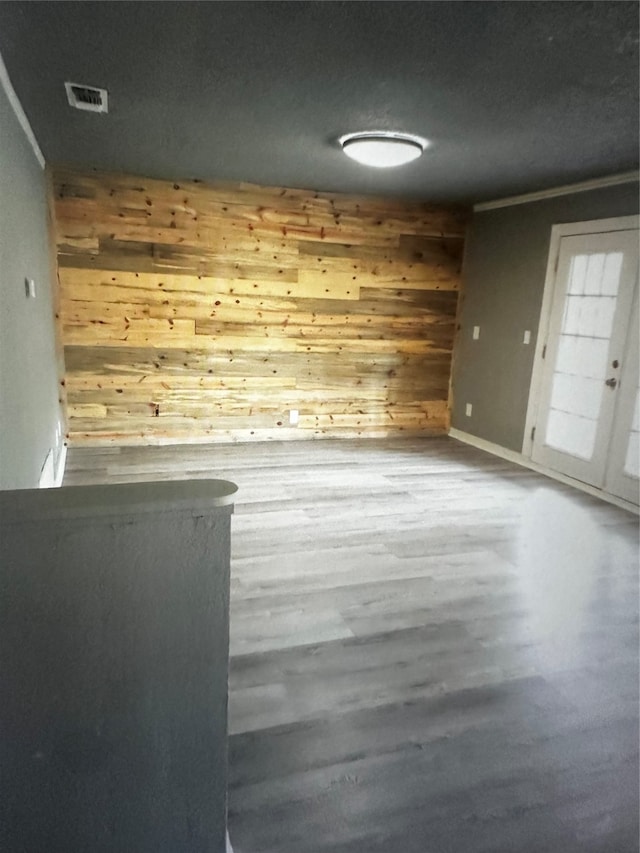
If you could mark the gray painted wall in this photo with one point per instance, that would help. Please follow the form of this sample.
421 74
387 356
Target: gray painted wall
28 373
114 630
503 283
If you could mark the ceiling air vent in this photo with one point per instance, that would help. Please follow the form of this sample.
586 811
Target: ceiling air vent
87 98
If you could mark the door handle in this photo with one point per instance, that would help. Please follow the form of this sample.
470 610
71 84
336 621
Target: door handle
611 382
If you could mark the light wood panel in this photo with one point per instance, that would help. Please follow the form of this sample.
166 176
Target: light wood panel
433 649
195 313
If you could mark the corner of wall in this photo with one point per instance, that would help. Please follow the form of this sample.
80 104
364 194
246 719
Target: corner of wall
20 114
32 416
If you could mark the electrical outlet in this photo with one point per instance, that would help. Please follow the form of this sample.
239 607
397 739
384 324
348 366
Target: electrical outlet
293 417
476 333
527 337
468 409
30 288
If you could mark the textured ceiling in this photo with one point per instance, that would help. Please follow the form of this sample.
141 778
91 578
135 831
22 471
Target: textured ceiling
514 96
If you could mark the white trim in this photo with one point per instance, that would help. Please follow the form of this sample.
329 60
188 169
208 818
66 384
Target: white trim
596 226
47 477
52 473
567 229
519 459
13 99
568 189
60 466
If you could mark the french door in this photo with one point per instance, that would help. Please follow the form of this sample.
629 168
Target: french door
586 418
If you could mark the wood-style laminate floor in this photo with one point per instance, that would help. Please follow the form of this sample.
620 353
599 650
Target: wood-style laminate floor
433 650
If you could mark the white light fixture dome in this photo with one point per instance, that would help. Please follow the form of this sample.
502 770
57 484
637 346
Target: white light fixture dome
382 149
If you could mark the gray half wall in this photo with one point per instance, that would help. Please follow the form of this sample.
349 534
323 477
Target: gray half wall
29 408
114 630
503 282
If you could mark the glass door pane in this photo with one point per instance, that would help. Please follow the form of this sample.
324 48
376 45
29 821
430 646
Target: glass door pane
582 353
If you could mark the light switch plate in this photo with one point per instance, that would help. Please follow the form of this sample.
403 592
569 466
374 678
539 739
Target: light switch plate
468 409
30 288
476 333
527 337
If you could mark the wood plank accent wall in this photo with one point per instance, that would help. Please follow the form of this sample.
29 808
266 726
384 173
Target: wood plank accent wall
193 312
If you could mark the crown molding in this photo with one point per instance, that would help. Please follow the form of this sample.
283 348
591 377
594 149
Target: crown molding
568 189
13 99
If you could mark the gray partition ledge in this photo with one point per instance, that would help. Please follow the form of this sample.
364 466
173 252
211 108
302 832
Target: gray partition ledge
195 496
114 651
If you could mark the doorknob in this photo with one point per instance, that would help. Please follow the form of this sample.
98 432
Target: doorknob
611 382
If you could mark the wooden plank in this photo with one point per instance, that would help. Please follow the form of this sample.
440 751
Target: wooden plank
148 287
99 384
310 369
195 312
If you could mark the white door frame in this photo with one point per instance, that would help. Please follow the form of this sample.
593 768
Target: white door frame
569 229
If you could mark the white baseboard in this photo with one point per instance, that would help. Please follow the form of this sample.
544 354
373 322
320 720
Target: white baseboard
62 461
519 459
47 474
52 472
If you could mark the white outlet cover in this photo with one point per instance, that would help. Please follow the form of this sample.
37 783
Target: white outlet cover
293 416
527 337
476 333
30 288
468 409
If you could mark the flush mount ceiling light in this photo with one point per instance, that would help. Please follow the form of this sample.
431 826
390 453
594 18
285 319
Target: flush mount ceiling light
382 148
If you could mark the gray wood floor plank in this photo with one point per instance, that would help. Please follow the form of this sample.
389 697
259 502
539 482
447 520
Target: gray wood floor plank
433 649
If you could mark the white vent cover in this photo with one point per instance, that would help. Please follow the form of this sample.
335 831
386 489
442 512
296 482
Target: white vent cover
87 97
